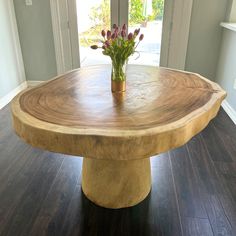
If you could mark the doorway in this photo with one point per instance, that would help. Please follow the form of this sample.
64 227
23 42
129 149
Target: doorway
95 15
165 24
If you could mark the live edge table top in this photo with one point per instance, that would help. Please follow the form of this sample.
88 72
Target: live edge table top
77 114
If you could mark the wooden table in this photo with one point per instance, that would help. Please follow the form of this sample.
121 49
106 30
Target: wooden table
77 114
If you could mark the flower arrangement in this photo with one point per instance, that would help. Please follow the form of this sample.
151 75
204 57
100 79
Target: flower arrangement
119 46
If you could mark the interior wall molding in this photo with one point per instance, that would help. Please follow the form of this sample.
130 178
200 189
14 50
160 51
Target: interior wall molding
74 34
229 110
17 46
175 35
58 42
65 34
7 98
32 83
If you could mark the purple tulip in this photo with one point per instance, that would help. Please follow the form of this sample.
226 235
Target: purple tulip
107 43
116 30
113 36
94 46
136 32
124 27
108 34
114 26
123 34
141 37
130 36
103 33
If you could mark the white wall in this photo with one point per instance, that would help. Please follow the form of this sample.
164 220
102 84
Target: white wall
226 70
36 38
11 64
205 36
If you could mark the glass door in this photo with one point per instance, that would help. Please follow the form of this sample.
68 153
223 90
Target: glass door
95 15
147 15
92 17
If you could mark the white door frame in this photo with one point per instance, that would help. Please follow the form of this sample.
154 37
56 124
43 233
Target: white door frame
74 35
175 33
69 8
176 24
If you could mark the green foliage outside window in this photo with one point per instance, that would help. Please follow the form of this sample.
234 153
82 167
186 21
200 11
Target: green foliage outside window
136 12
137 15
158 9
100 16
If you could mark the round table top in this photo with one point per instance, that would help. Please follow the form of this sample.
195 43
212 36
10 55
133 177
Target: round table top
76 113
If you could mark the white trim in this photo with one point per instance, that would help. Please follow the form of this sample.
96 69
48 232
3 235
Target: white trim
58 42
180 34
114 12
166 32
33 83
123 12
74 34
17 46
176 25
63 15
7 98
230 26
229 110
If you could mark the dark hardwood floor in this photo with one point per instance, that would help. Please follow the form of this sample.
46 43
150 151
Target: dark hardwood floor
193 190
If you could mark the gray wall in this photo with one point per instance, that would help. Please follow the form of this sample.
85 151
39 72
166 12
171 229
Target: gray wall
11 65
205 36
36 37
226 72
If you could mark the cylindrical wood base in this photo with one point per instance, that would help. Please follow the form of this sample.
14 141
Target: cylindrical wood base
116 184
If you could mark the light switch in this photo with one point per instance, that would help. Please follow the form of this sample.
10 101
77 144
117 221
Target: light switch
28 2
235 84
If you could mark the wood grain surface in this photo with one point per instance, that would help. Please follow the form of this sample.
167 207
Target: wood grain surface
77 114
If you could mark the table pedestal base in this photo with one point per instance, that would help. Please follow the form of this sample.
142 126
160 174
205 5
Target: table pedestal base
116 184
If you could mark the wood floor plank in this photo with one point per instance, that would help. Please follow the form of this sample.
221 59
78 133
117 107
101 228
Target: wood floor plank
190 202
228 196
25 157
166 211
226 169
226 130
74 217
203 166
51 216
7 159
197 227
219 222
24 215
225 124
210 186
14 185
217 149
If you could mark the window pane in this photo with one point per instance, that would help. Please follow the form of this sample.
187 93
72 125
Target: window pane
93 16
147 15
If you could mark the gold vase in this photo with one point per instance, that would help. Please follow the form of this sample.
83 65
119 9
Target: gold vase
118 86
118 77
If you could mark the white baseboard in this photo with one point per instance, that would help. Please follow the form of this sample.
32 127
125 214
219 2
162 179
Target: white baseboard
32 83
7 98
229 110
